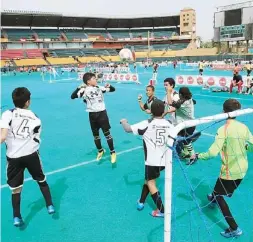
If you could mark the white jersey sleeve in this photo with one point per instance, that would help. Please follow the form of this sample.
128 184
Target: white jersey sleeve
139 127
5 120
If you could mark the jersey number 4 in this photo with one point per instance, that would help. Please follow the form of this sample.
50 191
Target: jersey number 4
23 129
160 136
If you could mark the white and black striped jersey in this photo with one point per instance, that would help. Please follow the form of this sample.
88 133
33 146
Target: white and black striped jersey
93 96
148 103
24 129
155 135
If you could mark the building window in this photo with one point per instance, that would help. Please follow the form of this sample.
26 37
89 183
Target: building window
186 24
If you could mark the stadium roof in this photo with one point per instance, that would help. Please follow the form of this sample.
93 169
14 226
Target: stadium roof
40 19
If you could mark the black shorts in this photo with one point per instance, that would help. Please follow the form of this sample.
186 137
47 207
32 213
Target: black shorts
17 166
201 70
153 172
99 120
248 72
226 187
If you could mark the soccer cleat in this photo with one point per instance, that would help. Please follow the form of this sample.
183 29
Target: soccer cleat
113 157
100 155
156 213
18 222
51 209
140 206
212 200
229 233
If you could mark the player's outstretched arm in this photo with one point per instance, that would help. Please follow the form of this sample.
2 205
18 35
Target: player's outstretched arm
215 148
126 126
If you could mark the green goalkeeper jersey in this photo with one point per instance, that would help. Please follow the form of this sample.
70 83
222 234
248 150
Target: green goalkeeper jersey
231 142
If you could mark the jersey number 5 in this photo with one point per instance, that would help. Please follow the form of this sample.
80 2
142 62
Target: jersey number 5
160 136
23 129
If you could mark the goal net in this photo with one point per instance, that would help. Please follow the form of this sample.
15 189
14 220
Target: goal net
189 214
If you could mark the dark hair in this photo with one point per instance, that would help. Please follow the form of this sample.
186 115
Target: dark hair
152 87
20 96
185 93
231 105
157 108
171 81
87 76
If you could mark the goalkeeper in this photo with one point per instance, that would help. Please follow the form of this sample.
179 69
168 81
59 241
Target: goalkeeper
232 141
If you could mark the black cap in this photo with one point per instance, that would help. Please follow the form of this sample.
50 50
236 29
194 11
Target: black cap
231 105
157 108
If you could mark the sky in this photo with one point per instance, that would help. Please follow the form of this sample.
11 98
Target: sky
127 8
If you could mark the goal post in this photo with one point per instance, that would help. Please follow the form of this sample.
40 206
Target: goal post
169 154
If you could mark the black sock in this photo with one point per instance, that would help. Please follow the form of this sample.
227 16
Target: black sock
97 141
144 193
109 140
46 192
158 201
16 199
226 212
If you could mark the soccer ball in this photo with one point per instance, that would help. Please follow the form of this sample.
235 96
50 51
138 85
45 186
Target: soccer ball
126 55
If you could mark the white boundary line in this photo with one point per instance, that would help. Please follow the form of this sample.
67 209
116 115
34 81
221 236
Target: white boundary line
78 165
84 163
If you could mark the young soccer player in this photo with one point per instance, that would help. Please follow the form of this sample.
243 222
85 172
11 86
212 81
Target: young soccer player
232 141
93 96
184 110
171 95
155 133
20 130
150 92
201 68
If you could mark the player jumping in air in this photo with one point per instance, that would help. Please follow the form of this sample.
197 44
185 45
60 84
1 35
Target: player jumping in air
150 94
154 133
93 96
232 141
20 130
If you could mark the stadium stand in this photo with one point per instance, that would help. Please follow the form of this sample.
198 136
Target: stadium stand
73 34
12 54
30 62
93 32
65 52
48 34
161 33
34 53
119 34
18 34
61 61
138 33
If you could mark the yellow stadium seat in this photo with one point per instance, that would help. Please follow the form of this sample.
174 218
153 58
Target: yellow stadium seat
90 59
30 62
3 63
61 61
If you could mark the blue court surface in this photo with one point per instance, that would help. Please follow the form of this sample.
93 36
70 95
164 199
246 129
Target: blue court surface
96 202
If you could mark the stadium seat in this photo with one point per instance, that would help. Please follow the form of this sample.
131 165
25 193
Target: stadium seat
18 34
30 62
61 61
